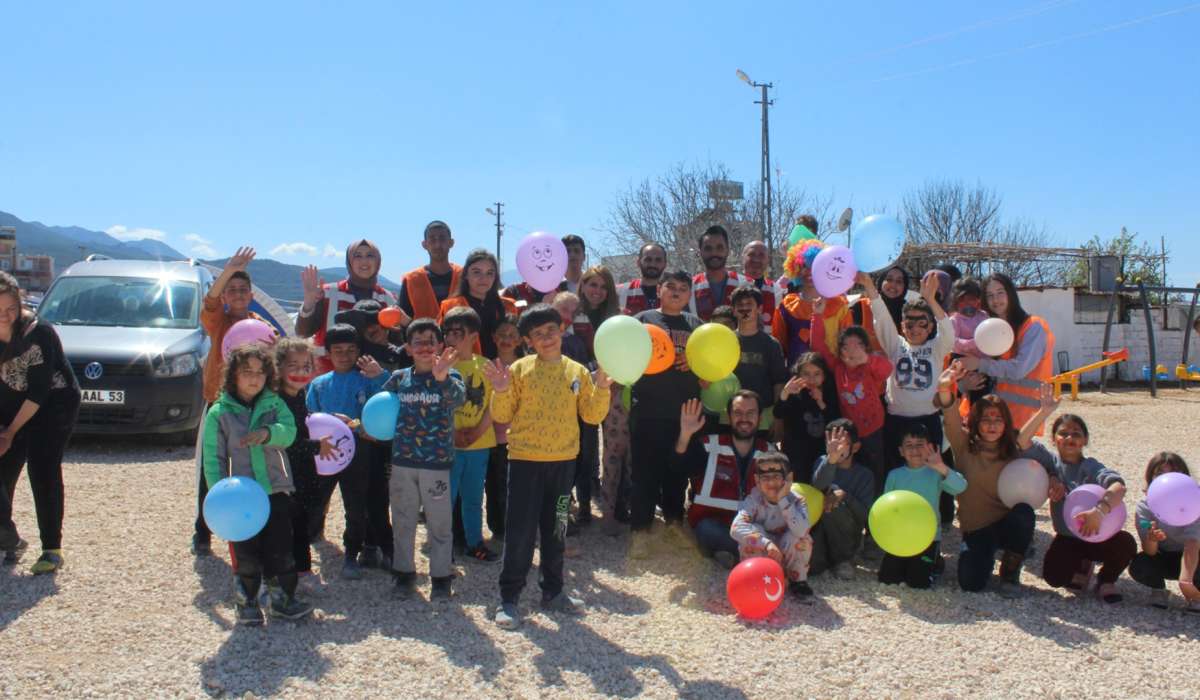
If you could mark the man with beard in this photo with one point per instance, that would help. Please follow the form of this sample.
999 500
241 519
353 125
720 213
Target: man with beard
714 286
642 294
754 270
721 468
424 289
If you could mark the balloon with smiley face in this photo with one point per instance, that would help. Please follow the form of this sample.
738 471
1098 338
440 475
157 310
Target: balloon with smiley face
542 261
833 271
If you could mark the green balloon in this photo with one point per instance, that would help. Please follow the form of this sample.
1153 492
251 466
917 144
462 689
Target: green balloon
716 395
902 523
623 348
799 233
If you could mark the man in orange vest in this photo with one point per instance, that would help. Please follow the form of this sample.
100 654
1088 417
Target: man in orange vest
642 294
714 286
423 289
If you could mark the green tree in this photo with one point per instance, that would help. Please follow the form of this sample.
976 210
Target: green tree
1139 260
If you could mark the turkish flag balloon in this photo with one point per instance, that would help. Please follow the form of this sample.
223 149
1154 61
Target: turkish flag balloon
755 587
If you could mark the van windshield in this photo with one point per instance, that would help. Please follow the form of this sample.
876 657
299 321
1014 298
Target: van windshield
136 302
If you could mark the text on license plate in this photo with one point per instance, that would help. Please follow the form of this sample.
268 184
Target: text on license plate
102 396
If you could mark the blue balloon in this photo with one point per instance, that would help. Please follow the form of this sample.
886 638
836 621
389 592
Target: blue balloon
379 415
877 243
236 508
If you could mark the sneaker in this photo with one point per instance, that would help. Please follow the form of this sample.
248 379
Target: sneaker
801 591
249 615
480 552
1107 592
370 558
50 561
727 560
563 603
285 607
1160 598
441 588
201 546
351 570
12 556
404 585
844 571
508 617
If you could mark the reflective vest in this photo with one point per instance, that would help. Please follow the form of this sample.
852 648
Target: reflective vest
702 302
420 291
338 297
1021 395
633 300
772 294
582 327
718 492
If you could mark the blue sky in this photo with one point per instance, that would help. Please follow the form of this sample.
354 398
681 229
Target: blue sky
296 123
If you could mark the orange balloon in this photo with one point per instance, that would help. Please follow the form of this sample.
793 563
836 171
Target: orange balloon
390 317
662 353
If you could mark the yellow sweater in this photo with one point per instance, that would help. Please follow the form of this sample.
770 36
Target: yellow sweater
541 405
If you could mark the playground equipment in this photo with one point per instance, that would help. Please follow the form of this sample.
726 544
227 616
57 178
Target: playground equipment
1191 372
1071 378
1161 371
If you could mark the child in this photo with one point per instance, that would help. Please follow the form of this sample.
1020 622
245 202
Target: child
1069 560
724 315
509 350
573 346
342 392
430 392
967 303
373 339
587 465
245 434
860 377
473 434
849 490
925 474
760 367
806 406
541 397
1168 551
295 361
773 522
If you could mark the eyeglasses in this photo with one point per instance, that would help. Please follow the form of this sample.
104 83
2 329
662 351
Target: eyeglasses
918 321
423 343
770 476
453 331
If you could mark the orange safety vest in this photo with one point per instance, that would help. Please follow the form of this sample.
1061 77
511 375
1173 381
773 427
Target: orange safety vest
420 291
1021 395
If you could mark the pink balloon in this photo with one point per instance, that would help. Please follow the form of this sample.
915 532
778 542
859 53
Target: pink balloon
323 425
1174 499
542 261
244 332
1085 498
833 271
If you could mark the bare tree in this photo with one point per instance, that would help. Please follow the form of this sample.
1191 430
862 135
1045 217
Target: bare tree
949 212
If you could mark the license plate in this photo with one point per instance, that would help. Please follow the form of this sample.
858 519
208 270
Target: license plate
103 396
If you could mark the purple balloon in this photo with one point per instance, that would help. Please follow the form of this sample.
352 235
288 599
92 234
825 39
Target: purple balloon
833 271
323 425
1085 498
542 261
1174 499
244 332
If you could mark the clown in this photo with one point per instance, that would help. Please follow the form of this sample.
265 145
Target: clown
791 324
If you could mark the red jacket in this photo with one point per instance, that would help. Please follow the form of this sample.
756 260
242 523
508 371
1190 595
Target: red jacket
717 491
338 297
633 300
703 303
859 388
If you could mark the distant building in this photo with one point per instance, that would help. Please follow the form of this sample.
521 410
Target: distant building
622 267
33 272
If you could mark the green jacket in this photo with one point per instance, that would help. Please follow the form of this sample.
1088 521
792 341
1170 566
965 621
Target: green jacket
228 421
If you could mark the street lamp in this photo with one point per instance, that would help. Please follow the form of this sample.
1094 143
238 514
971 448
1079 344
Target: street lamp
766 162
499 229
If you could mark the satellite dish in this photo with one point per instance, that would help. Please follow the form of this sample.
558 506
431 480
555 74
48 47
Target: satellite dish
844 221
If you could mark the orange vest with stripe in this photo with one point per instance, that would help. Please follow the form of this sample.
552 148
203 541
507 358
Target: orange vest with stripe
420 291
1021 395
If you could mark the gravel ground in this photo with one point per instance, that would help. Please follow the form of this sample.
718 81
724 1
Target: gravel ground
134 614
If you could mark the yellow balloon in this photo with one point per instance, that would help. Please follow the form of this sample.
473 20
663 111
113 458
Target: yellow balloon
713 352
815 500
902 523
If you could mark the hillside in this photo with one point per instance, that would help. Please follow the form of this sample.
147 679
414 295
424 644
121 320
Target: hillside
282 281
64 242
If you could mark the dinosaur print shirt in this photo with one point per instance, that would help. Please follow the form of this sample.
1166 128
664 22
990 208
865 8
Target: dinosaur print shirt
478 403
425 425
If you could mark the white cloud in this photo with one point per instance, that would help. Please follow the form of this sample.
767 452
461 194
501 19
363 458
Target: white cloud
200 246
294 249
124 233
331 252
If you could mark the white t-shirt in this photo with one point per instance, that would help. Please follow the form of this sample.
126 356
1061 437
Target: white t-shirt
913 382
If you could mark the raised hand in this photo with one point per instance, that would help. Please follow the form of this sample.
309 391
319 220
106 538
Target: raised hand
1046 398
314 286
498 374
441 368
691 417
868 284
795 385
369 367
239 260
930 287
837 445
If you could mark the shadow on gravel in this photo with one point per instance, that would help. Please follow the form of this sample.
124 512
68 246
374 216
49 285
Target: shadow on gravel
123 449
22 593
216 587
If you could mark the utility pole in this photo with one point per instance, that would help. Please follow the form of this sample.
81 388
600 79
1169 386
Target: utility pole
499 231
766 102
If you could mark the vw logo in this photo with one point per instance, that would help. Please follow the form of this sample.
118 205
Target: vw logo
93 370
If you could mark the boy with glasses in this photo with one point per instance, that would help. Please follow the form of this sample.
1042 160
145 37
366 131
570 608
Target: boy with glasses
773 522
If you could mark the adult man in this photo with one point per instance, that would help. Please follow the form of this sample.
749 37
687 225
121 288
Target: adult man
721 468
654 418
323 301
642 294
754 269
714 286
761 368
526 296
424 289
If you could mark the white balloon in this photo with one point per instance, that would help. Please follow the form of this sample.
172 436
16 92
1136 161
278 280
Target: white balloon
1023 481
994 337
